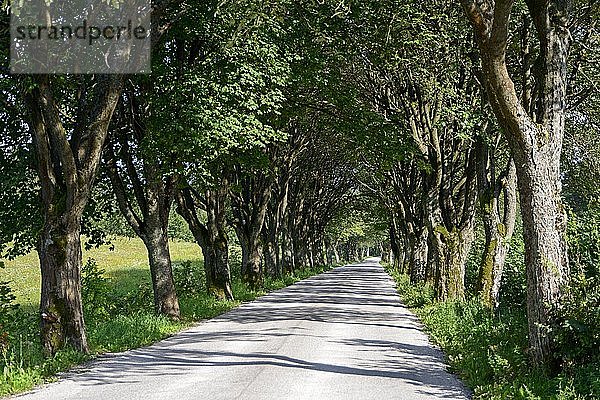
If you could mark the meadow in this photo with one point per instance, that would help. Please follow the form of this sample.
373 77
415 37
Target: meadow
124 261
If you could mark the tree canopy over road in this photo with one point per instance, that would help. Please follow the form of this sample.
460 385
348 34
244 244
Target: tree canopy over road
459 140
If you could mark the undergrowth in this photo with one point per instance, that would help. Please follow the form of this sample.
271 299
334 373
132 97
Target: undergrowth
116 320
489 352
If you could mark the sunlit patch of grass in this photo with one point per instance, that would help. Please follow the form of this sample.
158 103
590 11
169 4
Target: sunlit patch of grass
125 264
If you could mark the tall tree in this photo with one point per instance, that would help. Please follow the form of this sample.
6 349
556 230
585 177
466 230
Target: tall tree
535 140
67 162
135 166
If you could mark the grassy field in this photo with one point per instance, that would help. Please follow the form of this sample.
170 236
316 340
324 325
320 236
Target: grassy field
126 266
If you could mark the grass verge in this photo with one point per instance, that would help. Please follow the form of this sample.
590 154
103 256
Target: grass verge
489 352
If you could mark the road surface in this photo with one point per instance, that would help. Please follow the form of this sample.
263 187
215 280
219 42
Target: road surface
341 335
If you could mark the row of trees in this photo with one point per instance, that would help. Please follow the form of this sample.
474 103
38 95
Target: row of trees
468 107
226 132
312 129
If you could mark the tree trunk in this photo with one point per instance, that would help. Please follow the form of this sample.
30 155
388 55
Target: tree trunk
418 262
59 250
216 268
451 249
211 237
165 298
252 272
336 253
154 198
498 233
287 252
269 259
395 248
386 251
66 170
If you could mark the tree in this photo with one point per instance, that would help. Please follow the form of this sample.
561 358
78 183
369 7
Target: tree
68 120
225 82
535 140
497 187
136 166
67 162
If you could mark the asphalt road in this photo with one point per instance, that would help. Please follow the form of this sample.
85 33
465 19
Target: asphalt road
340 335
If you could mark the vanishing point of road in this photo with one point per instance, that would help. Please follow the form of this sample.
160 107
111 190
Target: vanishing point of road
340 335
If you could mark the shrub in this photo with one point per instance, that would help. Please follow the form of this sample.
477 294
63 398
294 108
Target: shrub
413 296
139 299
584 242
95 292
513 288
577 331
7 306
189 278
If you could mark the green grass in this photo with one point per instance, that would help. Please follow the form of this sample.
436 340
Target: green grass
126 265
490 352
120 315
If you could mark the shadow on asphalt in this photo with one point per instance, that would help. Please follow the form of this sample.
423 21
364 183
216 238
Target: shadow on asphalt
318 299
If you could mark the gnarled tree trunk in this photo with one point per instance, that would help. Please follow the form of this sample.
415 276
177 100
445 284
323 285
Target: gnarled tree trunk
211 237
498 227
59 249
535 140
418 266
153 195
66 170
451 249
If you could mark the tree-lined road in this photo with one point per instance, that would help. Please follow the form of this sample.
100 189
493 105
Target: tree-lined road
340 335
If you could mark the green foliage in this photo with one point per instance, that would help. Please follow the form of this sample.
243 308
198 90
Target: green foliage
577 330
513 289
6 302
6 308
22 363
584 241
413 296
95 292
490 351
189 277
178 228
19 215
126 331
226 97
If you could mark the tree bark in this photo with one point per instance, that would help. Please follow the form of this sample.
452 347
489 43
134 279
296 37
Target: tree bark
165 297
498 228
418 262
211 237
451 249
216 267
249 207
59 249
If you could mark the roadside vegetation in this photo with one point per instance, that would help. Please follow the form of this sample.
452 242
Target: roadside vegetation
490 351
